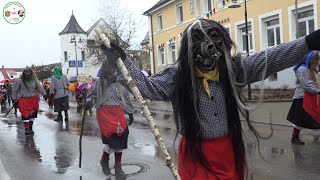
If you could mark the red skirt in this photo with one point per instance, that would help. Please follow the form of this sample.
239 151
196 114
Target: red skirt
111 120
28 106
219 153
311 104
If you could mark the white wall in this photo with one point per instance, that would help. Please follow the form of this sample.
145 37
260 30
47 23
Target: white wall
285 77
70 48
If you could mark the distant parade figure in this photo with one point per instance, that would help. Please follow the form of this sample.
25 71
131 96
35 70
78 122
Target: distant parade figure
9 91
59 89
111 104
25 96
306 87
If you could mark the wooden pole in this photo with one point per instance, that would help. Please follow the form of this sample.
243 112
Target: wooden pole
126 75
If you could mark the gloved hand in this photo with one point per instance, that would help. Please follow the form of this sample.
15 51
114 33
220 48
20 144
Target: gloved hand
131 119
15 103
113 53
313 40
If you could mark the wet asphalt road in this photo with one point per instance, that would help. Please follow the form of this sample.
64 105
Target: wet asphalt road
52 153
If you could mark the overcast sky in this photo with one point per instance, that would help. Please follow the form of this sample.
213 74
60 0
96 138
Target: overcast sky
36 41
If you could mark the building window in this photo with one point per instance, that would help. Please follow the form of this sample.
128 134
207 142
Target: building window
273 32
228 29
271 29
305 22
65 56
242 42
82 55
179 13
171 53
221 4
307 19
198 8
273 77
160 56
159 22
208 5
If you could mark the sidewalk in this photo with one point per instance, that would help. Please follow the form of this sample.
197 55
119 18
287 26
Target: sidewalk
3 173
274 110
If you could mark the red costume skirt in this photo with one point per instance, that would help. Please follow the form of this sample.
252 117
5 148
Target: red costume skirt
111 120
219 153
311 104
28 107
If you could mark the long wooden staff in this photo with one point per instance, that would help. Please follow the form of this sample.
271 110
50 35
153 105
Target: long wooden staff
38 84
81 133
126 75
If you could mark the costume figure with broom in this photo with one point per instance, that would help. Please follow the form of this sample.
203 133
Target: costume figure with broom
25 95
111 105
204 89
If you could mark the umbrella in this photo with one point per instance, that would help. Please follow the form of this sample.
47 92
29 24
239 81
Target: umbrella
4 80
73 78
87 85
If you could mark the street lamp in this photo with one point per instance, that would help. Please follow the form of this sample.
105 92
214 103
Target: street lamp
235 4
74 40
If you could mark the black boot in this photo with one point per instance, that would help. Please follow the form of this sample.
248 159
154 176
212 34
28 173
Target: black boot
27 131
31 132
59 118
119 172
296 140
105 166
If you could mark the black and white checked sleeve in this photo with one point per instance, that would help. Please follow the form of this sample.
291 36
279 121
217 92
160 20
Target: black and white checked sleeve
159 87
279 58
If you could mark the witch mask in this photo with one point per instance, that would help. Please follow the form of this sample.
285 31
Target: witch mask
206 44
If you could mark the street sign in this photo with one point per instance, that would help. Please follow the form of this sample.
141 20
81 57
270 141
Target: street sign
72 63
80 64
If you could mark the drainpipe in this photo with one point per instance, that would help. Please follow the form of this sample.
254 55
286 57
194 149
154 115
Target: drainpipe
152 46
297 21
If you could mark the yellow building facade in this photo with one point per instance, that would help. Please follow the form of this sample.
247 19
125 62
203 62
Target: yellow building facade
270 22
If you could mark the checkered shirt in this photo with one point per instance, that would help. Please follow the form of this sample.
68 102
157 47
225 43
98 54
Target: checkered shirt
213 114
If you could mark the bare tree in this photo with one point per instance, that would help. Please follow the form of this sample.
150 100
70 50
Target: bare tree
121 20
122 28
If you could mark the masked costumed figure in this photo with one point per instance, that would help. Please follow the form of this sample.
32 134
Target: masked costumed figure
204 89
305 109
111 104
59 88
25 95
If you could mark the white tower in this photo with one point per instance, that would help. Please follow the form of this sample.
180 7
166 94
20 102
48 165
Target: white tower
73 40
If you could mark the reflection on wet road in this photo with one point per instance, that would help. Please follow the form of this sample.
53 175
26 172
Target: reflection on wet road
52 153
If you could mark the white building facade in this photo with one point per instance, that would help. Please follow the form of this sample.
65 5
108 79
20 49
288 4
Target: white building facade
73 43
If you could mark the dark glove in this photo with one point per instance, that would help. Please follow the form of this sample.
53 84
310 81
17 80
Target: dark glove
131 119
15 103
313 40
45 97
114 53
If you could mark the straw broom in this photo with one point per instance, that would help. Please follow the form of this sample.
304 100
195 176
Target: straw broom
126 75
